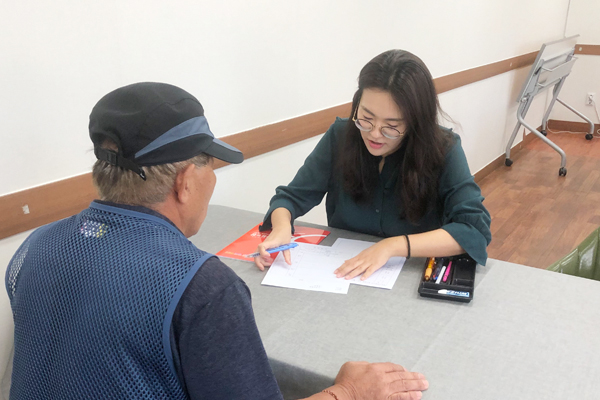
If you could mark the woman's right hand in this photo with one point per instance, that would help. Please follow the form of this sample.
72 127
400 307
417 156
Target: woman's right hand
277 237
281 234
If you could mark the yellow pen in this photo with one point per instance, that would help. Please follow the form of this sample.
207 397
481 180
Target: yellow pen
429 269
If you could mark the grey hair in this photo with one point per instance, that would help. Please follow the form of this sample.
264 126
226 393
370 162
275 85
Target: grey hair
119 185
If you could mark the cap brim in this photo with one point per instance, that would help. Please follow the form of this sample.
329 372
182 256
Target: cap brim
224 152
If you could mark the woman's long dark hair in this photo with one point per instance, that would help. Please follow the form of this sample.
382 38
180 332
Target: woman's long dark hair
424 145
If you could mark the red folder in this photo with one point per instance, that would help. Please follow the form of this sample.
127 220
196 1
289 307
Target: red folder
249 241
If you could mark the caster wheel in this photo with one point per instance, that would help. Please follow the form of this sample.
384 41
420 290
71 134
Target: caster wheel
589 136
562 172
544 132
508 162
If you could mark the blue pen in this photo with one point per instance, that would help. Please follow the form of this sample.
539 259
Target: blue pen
275 249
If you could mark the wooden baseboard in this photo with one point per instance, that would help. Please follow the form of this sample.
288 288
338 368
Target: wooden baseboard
61 199
499 161
553 125
571 126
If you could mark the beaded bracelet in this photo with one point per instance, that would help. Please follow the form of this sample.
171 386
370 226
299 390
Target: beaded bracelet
331 393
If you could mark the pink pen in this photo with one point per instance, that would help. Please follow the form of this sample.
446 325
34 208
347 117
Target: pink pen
447 272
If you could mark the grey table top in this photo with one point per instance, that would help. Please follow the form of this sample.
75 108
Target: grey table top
527 334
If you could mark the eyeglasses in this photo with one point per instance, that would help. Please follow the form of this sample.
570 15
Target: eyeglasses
367 126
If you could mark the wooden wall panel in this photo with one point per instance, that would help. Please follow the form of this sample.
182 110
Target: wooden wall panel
61 199
64 198
462 78
45 204
275 136
588 49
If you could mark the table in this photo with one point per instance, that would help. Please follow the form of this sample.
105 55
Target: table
528 333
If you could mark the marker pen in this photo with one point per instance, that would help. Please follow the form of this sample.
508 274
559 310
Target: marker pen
454 293
429 268
440 275
447 271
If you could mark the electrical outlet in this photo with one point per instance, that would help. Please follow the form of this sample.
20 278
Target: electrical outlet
590 99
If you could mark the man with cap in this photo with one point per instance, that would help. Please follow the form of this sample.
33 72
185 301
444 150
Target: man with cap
116 303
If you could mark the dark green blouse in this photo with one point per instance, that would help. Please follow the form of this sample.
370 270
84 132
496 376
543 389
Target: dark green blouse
459 209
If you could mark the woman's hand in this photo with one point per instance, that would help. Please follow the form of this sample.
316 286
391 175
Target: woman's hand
276 238
280 235
369 260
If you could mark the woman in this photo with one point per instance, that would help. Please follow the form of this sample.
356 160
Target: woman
390 170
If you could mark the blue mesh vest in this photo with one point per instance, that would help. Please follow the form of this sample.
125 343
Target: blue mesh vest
92 298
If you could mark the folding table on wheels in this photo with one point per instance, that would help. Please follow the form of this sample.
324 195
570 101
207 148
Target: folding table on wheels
550 70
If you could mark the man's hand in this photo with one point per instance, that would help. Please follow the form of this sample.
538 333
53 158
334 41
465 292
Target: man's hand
374 381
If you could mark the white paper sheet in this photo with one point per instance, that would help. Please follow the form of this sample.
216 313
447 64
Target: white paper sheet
384 277
312 269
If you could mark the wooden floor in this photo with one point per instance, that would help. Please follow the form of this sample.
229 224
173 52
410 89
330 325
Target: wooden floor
537 216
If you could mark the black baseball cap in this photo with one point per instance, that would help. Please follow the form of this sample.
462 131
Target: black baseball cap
152 124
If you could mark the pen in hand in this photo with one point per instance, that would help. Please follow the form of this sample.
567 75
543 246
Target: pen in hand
275 249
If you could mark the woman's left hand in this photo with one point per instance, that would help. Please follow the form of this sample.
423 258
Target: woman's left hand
368 261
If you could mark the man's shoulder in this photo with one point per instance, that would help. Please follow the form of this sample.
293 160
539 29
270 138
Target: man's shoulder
45 231
217 271
211 280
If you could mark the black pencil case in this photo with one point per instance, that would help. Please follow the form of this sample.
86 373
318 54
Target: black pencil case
460 282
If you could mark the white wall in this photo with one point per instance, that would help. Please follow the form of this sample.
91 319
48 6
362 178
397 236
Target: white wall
250 63
252 186
584 20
